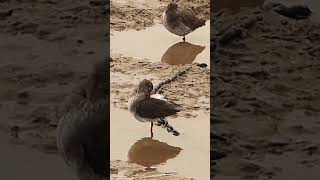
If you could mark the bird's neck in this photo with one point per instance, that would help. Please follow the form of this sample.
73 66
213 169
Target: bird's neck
171 16
171 11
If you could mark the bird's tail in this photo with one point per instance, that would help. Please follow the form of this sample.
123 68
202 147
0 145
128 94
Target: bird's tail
164 124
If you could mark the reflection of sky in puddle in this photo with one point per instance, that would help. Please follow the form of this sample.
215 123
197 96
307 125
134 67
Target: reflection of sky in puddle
167 153
153 42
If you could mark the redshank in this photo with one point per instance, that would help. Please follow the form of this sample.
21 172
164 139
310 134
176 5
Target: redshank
180 22
153 108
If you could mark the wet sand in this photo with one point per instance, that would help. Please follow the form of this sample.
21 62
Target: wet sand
31 95
48 49
30 163
266 82
143 48
138 15
235 5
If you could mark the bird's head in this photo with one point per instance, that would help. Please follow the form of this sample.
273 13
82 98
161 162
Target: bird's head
145 87
172 6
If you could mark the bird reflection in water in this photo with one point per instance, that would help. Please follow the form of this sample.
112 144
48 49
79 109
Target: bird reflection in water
149 152
181 53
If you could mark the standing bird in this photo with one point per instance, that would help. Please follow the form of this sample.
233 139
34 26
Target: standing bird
180 22
82 132
148 107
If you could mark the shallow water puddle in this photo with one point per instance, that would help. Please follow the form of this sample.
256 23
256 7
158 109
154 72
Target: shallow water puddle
157 44
130 141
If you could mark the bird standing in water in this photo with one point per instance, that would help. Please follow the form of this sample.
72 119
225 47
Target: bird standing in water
180 22
153 108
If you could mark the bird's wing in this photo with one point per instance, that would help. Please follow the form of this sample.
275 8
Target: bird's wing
82 137
190 20
156 108
94 144
158 96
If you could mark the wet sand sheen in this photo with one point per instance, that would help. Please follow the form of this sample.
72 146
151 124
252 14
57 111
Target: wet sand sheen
167 153
153 42
30 163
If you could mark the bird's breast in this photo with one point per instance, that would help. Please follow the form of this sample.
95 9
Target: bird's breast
176 27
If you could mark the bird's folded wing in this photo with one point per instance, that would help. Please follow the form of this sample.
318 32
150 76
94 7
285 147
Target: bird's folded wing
190 20
156 108
158 96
